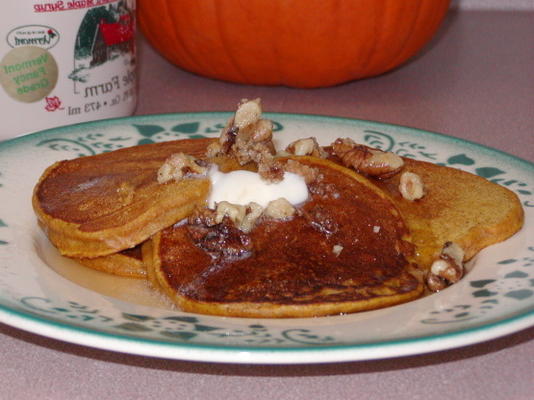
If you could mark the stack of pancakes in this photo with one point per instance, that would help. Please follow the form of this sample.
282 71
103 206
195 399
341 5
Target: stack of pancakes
363 248
98 209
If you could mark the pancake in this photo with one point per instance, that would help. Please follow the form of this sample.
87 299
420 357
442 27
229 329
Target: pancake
99 205
457 207
127 263
347 249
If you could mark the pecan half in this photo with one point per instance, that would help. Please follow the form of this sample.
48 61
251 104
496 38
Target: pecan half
366 160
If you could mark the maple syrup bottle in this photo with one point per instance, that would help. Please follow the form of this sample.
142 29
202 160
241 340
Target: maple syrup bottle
64 62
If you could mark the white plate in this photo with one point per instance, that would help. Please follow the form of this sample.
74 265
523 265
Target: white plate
43 293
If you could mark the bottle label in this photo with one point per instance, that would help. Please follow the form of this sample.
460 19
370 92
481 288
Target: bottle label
64 62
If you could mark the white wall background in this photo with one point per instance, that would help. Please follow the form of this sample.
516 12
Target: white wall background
526 5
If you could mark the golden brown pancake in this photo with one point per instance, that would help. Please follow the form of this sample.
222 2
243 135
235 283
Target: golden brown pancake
127 263
99 205
458 207
291 268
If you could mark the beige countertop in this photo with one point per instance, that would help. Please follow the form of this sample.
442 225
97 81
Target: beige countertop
475 81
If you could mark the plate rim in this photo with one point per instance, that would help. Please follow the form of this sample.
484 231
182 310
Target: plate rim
263 354
119 120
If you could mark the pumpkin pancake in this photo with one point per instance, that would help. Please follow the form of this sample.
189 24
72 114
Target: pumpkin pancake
346 249
98 205
457 207
127 263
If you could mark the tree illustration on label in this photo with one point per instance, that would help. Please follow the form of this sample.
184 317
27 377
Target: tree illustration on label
104 45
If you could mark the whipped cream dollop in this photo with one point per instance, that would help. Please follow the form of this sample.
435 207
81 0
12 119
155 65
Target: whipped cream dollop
244 187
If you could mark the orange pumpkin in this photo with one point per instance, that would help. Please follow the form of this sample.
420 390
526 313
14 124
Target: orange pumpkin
299 43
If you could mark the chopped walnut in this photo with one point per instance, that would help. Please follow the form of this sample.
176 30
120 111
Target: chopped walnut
248 138
435 283
366 160
246 133
306 147
235 212
247 149
248 113
447 269
271 170
279 209
179 165
214 149
202 216
253 212
263 133
310 174
454 251
411 186
337 249
221 241
227 139
243 217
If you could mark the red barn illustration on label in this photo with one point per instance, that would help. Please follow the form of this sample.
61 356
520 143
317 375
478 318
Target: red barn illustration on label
112 37
106 36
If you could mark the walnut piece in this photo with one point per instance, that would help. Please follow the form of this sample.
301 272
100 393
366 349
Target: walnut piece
202 216
279 209
213 150
263 133
411 186
179 165
366 160
223 232
454 251
253 212
306 147
248 113
337 249
447 269
221 241
310 174
235 212
248 138
242 217
269 169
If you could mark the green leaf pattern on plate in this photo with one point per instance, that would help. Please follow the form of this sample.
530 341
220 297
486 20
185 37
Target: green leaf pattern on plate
87 145
172 327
